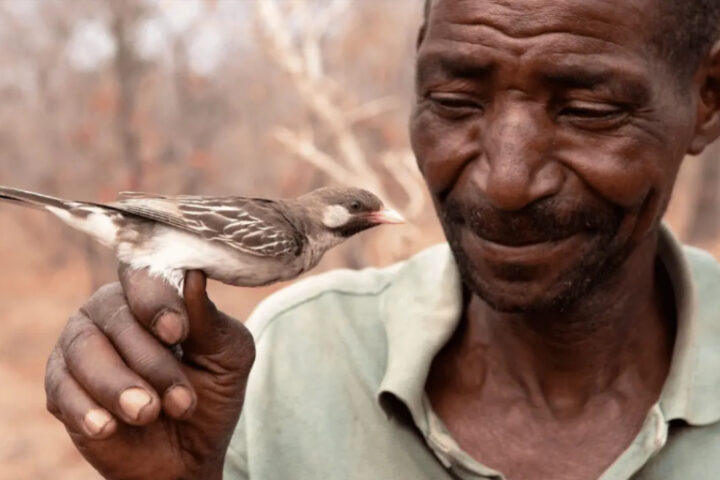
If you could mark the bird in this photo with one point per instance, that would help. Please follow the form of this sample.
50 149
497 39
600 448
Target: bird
241 241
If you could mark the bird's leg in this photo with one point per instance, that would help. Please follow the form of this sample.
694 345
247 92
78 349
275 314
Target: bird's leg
177 351
176 278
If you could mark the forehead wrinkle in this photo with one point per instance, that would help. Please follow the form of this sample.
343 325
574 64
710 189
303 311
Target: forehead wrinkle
481 48
534 19
492 36
446 57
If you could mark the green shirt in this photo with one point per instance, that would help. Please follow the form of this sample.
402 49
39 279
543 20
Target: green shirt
337 389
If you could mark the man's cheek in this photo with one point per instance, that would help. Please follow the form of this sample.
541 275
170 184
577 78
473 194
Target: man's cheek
442 151
621 174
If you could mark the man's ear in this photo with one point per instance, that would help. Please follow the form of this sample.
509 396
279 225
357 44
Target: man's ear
420 36
707 129
427 7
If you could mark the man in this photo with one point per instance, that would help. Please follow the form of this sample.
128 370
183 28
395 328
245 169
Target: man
564 334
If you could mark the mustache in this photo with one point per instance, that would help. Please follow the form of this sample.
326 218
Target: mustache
545 220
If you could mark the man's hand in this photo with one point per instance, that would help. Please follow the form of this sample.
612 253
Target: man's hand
132 408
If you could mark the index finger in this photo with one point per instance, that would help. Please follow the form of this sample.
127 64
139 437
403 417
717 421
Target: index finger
155 304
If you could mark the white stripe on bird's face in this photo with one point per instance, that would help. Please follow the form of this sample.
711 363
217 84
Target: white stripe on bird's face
335 216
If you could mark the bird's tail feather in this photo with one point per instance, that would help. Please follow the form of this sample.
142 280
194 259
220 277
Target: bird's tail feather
96 220
32 199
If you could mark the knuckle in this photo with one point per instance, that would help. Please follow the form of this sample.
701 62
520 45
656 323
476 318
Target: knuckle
53 409
108 290
147 294
107 293
52 384
158 367
55 375
143 308
248 355
74 340
247 343
53 370
149 361
245 338
119 330
108 298
243 348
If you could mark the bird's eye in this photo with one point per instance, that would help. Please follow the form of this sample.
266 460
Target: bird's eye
355 206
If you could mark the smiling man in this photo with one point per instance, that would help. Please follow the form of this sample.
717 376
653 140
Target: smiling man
562 333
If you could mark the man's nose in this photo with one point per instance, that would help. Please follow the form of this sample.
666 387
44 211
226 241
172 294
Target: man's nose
517 166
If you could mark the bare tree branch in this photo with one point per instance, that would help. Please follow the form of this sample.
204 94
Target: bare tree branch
370 109
304 148
296 48
303 64
407 176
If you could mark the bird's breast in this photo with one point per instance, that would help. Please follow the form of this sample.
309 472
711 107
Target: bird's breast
168 249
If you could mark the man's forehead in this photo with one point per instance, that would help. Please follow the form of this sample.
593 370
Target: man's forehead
570 43
525 18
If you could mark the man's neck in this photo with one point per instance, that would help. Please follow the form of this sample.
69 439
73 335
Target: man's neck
618 340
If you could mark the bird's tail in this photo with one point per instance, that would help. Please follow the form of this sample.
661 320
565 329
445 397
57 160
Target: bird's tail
32 199
96 220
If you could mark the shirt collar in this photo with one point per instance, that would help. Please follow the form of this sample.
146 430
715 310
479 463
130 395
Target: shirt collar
423 305
421 309
692 389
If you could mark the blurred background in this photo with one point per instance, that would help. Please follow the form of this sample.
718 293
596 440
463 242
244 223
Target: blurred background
246 97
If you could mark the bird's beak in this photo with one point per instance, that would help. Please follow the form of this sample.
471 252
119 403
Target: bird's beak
386 215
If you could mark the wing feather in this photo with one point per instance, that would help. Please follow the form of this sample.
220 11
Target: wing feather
251 225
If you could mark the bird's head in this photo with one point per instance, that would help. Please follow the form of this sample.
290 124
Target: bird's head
347 211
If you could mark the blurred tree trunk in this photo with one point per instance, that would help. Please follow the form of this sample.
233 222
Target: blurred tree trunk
704 224
128 71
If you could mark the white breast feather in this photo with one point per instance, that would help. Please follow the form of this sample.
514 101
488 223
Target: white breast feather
171 252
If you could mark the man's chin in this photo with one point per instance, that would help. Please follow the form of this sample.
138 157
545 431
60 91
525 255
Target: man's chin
525 297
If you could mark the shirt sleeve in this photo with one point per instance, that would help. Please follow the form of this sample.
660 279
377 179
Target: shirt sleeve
236 462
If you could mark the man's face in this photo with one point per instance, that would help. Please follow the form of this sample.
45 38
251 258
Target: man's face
550 135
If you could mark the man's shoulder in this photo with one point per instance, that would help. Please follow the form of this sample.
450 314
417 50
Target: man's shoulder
704 273
319 296
341 297
704 267
690 452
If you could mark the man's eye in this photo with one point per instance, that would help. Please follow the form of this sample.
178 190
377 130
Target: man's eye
592 110
454 105
594 115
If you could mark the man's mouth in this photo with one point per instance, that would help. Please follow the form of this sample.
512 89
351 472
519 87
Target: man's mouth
545 221
526 251
525 239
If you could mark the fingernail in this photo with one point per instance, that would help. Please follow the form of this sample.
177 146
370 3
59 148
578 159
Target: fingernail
96 420
169 327
177 401
133 401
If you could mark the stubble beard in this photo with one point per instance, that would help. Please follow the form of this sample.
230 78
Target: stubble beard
604 258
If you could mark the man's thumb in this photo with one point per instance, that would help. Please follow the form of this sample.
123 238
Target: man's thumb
211 333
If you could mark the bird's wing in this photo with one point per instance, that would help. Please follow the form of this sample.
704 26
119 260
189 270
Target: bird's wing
251 225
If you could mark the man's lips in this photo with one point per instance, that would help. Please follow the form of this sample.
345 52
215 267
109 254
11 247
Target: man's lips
526 252
524 238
